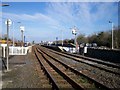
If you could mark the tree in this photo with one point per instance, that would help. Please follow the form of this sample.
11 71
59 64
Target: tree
71 41
82 39
92 38
66 41
102 39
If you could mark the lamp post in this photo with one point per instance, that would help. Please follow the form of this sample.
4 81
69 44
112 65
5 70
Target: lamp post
112 35
13 35
22 30
8 23
62 37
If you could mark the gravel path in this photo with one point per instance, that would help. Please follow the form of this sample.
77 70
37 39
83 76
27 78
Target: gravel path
24 72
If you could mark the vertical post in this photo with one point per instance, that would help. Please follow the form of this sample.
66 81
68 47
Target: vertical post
56 40
22 42
74 31
4 51
22 30
7 44
62 37
75 44
13 33
22 38
112 37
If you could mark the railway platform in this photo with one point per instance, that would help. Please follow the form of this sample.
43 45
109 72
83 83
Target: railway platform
24 72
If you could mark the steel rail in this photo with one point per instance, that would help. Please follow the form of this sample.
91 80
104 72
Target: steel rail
76 71
90 59
74 84
74 58
52 80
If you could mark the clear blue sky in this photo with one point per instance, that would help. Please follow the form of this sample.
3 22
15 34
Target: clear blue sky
45 20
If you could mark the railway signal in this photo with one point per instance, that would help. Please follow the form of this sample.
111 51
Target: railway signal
74 32
22 29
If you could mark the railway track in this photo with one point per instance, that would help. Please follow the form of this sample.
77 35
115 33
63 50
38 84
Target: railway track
51 73
103 76
107 66
68 76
